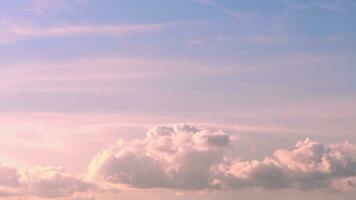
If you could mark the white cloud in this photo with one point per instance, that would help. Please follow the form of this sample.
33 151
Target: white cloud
310 165
183 157
189 158
169 157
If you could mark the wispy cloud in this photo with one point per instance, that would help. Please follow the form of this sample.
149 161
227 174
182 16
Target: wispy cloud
220 7
331 5
12 32
272 39
40 7
95 74
256 39
74 75
297 5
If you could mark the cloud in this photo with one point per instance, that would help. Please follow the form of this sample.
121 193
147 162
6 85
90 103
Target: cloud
297 5
189 158
223 9
266 39
88 197
9 177
41 6
272 39
50 182
310 165
333 6
326 5
12 32
344 184
78 74
43 182
170 157
97 74
184 157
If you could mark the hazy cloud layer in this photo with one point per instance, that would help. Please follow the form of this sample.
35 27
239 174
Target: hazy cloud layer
189 158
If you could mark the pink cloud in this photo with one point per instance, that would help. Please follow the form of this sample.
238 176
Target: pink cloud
188 158
12 32
43 182
181 157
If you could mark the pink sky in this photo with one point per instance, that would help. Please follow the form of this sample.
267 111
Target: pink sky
179 99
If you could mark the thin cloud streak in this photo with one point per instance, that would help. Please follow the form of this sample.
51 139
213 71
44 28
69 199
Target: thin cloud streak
84 74
12 32
332 6
223 9
272 39
40 7
44 7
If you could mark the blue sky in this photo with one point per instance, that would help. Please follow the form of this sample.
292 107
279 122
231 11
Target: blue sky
272 72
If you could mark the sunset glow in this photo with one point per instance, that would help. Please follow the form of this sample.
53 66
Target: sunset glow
178 99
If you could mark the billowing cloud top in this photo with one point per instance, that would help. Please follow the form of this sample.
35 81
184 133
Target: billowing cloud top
174 157
189 158
183 157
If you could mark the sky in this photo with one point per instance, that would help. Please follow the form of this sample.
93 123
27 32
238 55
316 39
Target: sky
177 99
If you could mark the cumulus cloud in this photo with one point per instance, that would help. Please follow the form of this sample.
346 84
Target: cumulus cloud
52 182
310 165
344 184
189 158
43 182
9 177
171 157
183 157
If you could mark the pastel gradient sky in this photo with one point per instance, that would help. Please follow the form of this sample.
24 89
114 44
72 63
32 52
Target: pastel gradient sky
178 99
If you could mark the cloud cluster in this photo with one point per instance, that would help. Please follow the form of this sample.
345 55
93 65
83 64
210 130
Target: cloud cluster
184 157
310 165
170 157
189 158
42 182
